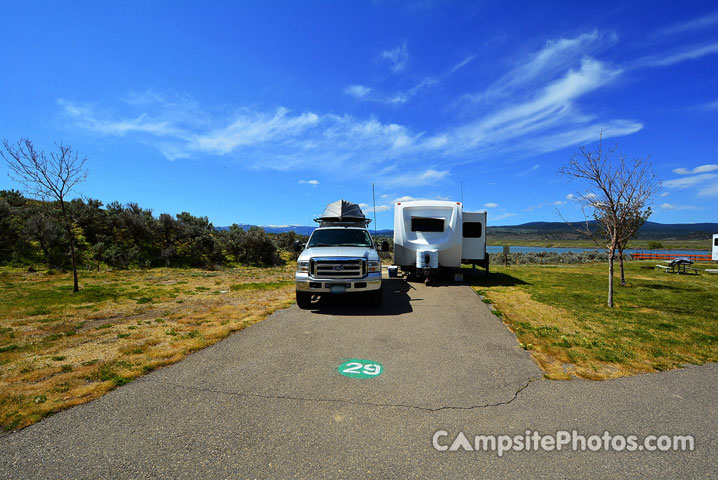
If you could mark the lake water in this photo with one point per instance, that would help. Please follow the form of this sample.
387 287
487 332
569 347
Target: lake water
499 249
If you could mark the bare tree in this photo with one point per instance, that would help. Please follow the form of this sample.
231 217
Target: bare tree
618 195
49 178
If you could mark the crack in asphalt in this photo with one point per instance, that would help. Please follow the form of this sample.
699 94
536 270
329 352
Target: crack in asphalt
349 402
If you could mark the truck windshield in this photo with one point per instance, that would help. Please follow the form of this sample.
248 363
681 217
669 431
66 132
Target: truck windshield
340 237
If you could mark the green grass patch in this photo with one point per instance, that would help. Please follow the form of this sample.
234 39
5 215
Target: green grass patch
261 285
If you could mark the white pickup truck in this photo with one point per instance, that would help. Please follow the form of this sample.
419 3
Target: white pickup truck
340 257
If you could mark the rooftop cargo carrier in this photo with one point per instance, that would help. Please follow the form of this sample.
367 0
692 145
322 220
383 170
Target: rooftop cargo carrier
342 213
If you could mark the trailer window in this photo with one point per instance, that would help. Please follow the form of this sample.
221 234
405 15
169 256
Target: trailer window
472 229
715 242
426 224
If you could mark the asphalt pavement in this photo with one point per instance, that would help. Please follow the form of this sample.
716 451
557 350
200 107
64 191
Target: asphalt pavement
270 402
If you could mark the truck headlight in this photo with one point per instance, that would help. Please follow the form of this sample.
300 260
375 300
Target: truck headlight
374 266
302 267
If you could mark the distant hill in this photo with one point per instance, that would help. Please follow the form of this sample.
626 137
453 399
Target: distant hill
549 231
562 231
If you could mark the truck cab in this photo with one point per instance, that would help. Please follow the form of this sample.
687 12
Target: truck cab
339 258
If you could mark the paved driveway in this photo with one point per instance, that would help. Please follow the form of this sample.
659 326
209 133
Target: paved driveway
269 402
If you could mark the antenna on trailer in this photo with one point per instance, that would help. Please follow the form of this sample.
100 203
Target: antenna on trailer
462 191
373 197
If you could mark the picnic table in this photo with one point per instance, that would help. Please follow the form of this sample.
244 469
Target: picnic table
678 265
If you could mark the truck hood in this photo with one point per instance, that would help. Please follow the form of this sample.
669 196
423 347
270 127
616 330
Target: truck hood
359 252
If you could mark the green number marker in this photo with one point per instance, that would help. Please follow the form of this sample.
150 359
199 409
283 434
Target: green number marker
360 369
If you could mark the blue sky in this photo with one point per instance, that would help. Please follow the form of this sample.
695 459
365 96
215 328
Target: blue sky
262 112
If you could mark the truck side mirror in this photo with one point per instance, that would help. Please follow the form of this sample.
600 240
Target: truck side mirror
298 246
384 246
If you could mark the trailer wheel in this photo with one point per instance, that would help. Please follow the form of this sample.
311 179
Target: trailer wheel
304 300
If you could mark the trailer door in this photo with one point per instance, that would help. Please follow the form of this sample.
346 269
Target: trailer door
474 233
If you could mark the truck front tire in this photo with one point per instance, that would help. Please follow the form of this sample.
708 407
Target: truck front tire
304 300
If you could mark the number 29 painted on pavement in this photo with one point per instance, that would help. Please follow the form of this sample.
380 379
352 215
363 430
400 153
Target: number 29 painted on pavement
360 368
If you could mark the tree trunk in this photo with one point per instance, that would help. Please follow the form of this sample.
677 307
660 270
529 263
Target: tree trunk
610 277
620 259
68 227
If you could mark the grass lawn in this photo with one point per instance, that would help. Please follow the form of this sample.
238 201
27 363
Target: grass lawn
559 313
59 349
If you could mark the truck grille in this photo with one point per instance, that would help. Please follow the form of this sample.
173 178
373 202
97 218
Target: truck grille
338 268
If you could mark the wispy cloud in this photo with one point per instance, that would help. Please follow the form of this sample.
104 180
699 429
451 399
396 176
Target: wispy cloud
556 203
411 179
699 169
313 183
366 208
529 171
501 216
700 23
550 120
674 57
671 206
556 56
491 205
690 181
401 97
698 177
537 117
709 191
397 57
358 91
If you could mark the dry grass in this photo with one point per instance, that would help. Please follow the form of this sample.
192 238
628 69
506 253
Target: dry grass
558 313
59 349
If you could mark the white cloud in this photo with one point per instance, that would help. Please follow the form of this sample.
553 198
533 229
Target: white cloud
690 181
529 171
253 129
405 198
670 206
313 183
570 196
538 118
556 203
410 179
358 91
500 216
491 205
548 121
397 57
700 169
554 58
700 23
672 58
366 208
664 194
709 191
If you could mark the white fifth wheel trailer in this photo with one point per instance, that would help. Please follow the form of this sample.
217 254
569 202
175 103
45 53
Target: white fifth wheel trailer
430 235
714 252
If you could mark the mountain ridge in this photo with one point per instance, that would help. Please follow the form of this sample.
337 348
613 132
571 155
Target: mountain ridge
546 230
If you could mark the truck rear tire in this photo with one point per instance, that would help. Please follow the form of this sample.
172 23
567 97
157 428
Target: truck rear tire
304 300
